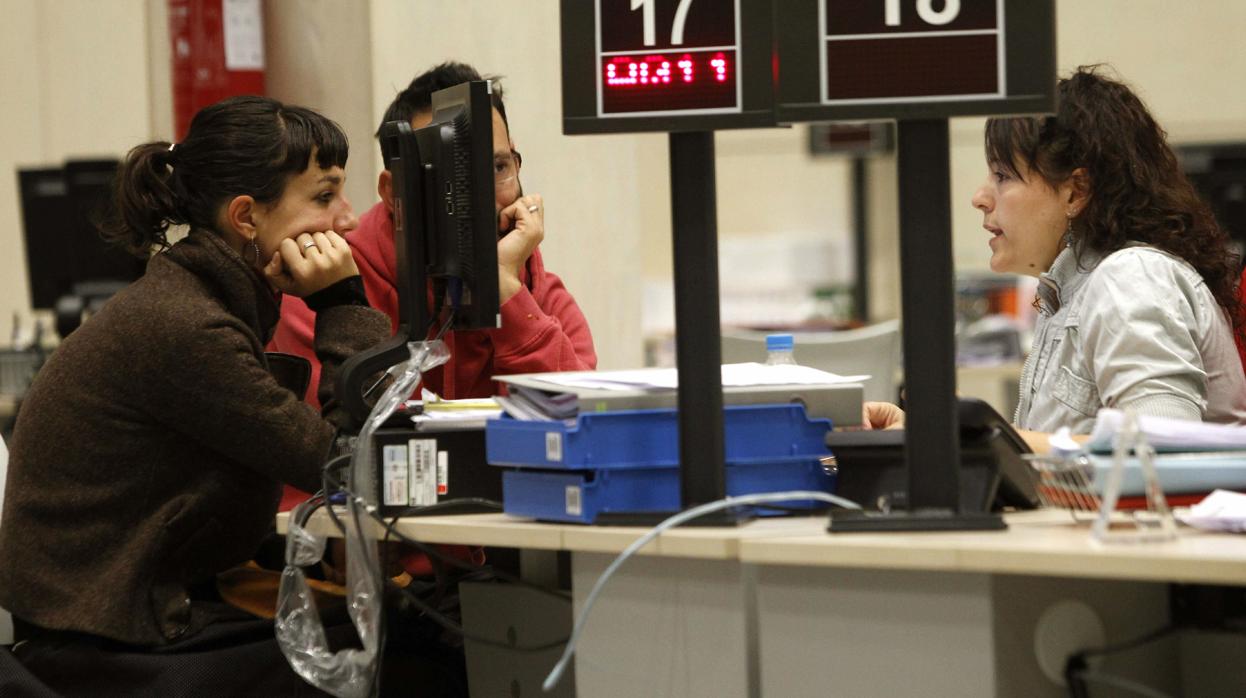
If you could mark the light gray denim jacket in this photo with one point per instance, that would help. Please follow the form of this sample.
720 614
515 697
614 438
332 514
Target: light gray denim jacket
1137 329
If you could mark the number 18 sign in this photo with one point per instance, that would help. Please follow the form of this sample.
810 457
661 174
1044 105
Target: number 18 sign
897 59
868 50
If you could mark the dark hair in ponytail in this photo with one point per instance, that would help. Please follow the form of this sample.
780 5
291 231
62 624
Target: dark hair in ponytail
1137 188
239 146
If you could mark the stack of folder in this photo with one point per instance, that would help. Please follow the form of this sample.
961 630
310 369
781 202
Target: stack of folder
563 396
1193 458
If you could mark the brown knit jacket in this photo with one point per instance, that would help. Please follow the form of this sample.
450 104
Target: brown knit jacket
148 453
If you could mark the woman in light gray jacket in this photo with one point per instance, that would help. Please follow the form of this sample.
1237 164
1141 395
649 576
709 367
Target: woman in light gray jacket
1137 297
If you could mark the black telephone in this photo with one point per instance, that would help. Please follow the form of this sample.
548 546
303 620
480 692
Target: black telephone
993 475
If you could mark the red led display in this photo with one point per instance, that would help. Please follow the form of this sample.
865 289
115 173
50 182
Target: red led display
668 82
662 56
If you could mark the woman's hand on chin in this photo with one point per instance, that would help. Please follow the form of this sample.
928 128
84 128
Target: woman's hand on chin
309 263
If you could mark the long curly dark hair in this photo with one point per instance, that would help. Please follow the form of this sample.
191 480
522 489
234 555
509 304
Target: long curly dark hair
1137 188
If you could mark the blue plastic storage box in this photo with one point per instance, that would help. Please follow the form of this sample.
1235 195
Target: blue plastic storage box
649 438
627 462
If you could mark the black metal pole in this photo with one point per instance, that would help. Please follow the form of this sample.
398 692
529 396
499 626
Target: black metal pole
698 349
861 236
927 292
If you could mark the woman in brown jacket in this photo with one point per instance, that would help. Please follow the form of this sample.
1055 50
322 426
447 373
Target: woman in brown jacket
149 453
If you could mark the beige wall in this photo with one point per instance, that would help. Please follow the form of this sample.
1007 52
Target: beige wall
67 89
318 54
72 90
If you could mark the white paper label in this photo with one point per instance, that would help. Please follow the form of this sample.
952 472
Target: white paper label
423 471
553 447
574 507
443 472
394 487
244 35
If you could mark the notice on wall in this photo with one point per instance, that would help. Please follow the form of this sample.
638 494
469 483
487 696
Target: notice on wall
244 35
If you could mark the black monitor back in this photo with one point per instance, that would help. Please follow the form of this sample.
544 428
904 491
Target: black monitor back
60 211
445 223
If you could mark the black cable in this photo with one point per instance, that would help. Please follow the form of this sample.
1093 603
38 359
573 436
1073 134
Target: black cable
809 511
432 551
448 505
456 628
336 462
445 326
429 610
1076 666
1135 687
1152 636
435 615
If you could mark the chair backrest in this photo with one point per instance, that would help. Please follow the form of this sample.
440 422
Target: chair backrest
873 350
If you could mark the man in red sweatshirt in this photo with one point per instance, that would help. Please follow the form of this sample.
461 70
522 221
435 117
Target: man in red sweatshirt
542 327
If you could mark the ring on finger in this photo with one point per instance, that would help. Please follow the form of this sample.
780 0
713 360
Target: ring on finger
533 208
309 245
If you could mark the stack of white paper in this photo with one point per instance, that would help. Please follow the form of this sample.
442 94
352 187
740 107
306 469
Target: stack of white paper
563 396
733 375
1221 510
1167 434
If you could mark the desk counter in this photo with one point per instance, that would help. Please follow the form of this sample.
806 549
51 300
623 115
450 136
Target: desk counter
1043 543
781 607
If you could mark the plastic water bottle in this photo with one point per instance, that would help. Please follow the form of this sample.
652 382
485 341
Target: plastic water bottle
779 350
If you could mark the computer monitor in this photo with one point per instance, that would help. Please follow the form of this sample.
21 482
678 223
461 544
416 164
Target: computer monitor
445 222
64 250
445 231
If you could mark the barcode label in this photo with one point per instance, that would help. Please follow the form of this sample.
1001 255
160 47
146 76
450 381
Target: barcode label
394 475
423 471
443 472
553 447
574 507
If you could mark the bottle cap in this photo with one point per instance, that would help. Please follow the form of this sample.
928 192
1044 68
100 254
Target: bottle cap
779 342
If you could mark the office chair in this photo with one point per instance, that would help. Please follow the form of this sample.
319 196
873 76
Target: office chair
873 350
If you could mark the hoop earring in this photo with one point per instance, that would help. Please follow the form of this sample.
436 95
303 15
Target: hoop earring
255 248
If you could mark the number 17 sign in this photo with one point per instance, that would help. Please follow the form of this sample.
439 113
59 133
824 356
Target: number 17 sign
666 65
667 56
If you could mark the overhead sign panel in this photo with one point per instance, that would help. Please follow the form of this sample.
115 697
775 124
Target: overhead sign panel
666 65
892 51
896 59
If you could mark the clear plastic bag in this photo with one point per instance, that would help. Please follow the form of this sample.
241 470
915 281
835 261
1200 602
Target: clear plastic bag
348 673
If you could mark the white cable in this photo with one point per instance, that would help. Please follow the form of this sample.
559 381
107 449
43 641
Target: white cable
556 673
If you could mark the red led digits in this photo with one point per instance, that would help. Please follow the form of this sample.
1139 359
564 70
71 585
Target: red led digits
666 57
652 82
685 67
652 70
657 70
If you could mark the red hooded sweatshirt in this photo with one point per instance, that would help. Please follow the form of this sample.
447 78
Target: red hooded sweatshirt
542 327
